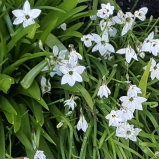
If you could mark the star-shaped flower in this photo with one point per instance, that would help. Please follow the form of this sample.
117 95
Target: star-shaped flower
127 131
132 102
71 73
25 15
129 53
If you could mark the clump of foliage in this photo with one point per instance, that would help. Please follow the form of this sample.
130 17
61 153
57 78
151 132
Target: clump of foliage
67 91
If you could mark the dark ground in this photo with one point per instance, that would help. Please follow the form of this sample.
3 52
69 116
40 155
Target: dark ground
152 5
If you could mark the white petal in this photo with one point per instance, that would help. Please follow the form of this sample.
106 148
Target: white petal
55 50
65 79
96 37
18 13
34 13
64 69
77 77
110 47
28 22
26 7
18 20
71 81
122 51
128 57
79 69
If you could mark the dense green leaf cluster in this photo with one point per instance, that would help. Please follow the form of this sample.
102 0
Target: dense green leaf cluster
27 116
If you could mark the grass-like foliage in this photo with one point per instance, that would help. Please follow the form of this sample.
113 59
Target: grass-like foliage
78 79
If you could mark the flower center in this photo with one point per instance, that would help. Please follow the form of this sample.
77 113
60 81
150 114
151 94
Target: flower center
55 58
155 68
128 19
27 16
103 42
71 72
131 99
46 89
113 116
139 14
128 132
86 39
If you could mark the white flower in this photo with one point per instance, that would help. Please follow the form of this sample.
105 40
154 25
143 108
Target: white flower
138 48
106 11
154 69
71 73
26 16
106 27
126 19
141 13
58 56
129 53
70 102
151 45
142 55
132 102
82 123
133 91
114 118
103 91
74 56
45 85
39 155
93 17
63 26
102 44
87 39
127 131
125 113
52 70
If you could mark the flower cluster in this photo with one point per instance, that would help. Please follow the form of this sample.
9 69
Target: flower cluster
102 41
119 118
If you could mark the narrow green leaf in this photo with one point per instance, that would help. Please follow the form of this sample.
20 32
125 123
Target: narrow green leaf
30 76
20 34
24 58
144 78
24 140
85 95
2 140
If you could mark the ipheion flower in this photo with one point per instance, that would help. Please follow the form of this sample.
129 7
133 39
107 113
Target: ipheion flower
25 15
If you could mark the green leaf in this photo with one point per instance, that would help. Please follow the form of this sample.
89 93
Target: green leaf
24 58
34 91
2 140
5 82
10 117
30 76
38 112
22 33
144 78
49 28
85 95
6 106
24 140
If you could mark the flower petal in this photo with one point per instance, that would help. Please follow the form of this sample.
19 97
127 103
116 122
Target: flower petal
28 22
26 7
18 20
77 77
18 13
34 13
